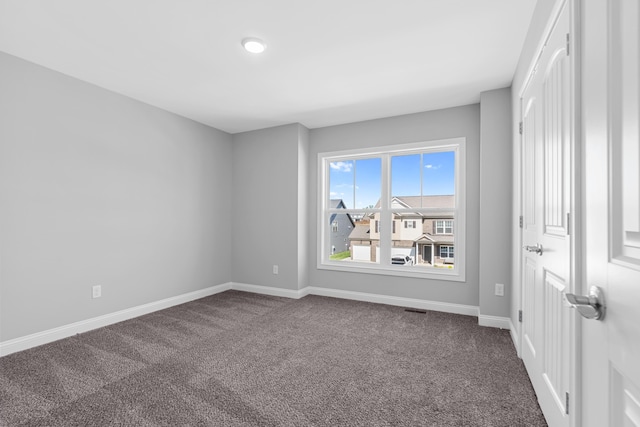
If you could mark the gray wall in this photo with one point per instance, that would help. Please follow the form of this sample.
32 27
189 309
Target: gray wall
495 201
454 122
269 207
99 189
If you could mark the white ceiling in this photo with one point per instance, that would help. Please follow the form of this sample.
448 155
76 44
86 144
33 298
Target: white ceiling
328 61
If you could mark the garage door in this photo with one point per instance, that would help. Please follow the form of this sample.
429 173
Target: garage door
362 253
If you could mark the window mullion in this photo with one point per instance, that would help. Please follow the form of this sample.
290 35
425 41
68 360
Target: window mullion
421 179
355 172
324 237
385 213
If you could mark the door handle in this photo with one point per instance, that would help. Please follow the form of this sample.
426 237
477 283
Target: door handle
537 248
589 306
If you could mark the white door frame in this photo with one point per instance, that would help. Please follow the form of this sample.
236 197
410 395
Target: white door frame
575 221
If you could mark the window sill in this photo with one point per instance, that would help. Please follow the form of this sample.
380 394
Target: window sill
446 274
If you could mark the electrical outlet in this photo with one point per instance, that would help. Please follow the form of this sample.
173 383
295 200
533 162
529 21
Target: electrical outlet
275 269
499 289
97 291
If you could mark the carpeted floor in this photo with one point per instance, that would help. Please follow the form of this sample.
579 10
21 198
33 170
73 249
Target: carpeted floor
241 359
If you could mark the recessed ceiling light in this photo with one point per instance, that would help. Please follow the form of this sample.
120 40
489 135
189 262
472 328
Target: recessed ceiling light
254 45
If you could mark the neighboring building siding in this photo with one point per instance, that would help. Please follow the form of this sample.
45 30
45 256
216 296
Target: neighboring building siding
420 230
339 240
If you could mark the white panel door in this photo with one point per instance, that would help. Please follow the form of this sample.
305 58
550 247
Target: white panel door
611 201
546 274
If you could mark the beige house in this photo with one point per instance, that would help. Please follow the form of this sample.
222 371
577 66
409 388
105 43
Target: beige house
427 239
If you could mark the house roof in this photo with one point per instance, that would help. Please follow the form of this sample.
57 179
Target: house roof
424 237
447 201
438 239
336 204
436 202
360 232
440 201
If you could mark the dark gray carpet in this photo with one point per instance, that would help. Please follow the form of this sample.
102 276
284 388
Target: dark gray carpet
241 359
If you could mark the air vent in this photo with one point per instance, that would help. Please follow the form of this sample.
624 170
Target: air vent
415 310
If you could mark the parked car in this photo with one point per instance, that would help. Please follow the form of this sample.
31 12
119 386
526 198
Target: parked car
402 260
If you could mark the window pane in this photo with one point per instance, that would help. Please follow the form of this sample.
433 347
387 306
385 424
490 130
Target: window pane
352 240
438 175
443 227
368 182
446 257
405 176
341 181
340 229
418 209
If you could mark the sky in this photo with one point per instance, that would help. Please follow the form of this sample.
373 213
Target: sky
437 178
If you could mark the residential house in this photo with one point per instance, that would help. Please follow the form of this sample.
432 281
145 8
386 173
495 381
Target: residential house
427 238
341 227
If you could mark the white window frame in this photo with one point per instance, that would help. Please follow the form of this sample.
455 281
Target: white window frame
444 226
448 251
384 266
410 223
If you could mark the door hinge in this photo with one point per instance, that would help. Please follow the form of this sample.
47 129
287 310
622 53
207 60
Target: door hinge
520 316
566 403
520 128
568 223
568 43
521 221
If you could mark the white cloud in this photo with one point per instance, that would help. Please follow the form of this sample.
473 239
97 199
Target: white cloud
430 166
349 186
341 166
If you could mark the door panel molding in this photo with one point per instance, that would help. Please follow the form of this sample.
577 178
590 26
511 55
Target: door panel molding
624 110
556 339
556 142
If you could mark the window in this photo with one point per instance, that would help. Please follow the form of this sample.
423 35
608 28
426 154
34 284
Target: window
446 251
444 227
334 226
384 185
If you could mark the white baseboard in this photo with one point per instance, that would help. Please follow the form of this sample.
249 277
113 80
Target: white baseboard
358 296
50 335
494 321
468 310
44 337
269 290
